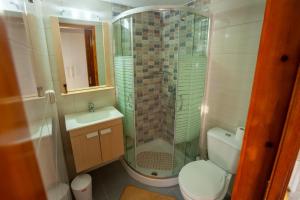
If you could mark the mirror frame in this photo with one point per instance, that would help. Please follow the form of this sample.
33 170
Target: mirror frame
57 48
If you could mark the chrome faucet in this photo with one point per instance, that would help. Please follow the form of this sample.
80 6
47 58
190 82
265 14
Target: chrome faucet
91 107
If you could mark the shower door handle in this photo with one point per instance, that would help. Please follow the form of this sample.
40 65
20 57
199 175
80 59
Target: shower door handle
181 102
129 100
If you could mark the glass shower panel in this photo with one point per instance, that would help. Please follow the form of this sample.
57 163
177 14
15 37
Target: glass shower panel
192 61
124 80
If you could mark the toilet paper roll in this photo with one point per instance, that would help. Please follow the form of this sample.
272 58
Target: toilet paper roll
239 134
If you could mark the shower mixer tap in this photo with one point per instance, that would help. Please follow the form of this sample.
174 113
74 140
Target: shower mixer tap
91 107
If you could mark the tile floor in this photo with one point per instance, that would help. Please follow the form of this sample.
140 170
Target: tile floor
110 180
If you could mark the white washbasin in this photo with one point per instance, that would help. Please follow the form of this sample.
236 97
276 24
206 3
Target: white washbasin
94 116
82 119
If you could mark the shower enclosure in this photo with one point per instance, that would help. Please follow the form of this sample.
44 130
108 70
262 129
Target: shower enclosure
160 58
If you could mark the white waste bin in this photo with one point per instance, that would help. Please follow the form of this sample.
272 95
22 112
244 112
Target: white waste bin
82 187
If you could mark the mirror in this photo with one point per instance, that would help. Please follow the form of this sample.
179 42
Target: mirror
84 50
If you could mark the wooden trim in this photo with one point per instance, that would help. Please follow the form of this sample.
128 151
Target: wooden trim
75 26
19 168
58 56
87 90
275 75
94 50
91 56
288 149
107 52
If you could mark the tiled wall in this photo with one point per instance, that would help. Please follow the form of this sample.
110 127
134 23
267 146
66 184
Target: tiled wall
169 56
147 65
20 48
235 35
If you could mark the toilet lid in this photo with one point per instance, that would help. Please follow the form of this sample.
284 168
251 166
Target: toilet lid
202 180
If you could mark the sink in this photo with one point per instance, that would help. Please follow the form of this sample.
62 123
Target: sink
94 116
82 119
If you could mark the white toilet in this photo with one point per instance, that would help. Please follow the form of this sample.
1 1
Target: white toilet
209 179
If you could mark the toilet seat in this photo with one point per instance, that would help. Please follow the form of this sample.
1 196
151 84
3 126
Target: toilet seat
202 180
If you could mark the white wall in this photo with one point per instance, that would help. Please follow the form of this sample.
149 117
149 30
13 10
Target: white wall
74 56
22 55
294 183
235 34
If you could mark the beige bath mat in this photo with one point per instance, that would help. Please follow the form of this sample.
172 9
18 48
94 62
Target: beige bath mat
134 193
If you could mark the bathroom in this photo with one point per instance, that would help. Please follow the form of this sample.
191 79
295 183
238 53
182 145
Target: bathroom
145 99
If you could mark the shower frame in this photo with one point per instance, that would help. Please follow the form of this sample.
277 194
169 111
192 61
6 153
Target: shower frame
157 9
134 173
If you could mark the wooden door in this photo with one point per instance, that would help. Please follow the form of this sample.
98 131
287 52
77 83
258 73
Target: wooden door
288 149
112 145
275 75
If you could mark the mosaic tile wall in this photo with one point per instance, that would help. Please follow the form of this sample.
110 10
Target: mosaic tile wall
148 75
170 50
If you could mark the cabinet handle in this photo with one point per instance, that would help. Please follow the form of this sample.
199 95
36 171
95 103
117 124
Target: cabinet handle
91 135
105 131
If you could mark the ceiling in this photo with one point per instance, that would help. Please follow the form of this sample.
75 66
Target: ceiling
139 3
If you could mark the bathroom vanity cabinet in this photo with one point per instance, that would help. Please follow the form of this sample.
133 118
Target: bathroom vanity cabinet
97 144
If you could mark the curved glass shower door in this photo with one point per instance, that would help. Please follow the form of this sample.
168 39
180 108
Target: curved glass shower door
160 60
191 76
124 81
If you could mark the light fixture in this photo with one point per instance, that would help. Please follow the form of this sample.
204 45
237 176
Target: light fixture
74 13
12 5
87 15
1 6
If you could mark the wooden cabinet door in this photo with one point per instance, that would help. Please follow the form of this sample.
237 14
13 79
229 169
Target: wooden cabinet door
112 142
86 150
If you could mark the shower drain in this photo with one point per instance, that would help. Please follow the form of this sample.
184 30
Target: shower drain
154 174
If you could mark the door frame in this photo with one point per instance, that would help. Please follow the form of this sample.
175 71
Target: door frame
288 149
274 80
90 49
